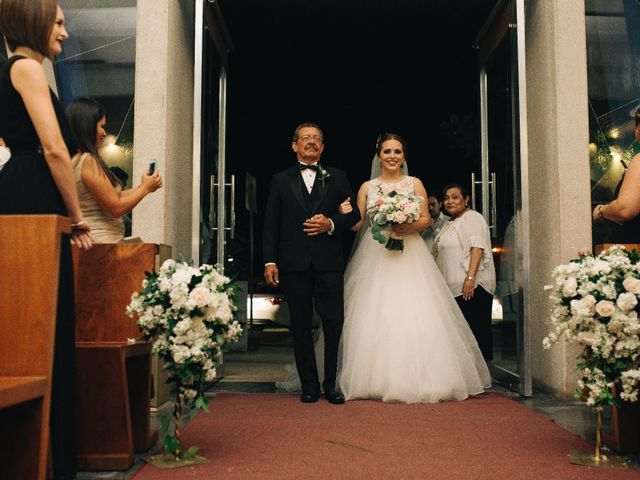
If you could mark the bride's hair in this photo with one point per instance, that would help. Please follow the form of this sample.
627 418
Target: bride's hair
383 137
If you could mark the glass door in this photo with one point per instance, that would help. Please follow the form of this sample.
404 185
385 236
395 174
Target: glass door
216 238
502 186
213 190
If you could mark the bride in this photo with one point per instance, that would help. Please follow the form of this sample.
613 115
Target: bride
404 337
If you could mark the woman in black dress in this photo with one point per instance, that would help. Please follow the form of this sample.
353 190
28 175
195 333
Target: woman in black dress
38 180
625 209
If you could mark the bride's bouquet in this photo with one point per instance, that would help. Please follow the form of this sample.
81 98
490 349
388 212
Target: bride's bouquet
392 208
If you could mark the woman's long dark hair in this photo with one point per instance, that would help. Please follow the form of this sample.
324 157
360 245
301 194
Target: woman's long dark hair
83 116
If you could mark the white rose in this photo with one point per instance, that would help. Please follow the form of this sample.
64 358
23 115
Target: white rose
600 266
224 314
570 287
627 301
632 285
583 307
200 296
589 301
605 308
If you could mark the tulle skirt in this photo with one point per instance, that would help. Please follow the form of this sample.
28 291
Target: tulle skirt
404 337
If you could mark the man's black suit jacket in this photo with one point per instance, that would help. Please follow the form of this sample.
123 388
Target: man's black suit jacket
284 241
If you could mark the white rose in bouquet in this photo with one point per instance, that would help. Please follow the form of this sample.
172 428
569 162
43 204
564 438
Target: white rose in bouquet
584 306
627 302
200 297
605 308
632 285
600 266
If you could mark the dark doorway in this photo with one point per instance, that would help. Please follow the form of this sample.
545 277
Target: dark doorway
357 68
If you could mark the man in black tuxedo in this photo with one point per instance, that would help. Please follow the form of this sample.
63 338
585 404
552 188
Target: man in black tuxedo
302 248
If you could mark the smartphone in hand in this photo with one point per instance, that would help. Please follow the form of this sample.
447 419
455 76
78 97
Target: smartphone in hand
152 167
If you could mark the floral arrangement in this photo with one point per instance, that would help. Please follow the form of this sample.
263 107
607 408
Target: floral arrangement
595 303
187 312
392 208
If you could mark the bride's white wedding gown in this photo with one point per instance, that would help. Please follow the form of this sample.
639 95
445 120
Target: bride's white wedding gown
404 337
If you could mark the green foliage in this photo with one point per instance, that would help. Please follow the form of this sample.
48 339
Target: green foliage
202 403
191 452
378 235
171 445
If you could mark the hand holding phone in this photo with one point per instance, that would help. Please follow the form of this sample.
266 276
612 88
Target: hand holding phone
151 179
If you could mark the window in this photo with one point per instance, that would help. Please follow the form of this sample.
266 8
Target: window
613 68
98 61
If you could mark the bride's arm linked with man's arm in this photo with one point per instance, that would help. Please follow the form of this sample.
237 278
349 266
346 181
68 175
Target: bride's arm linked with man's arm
346 208
346 217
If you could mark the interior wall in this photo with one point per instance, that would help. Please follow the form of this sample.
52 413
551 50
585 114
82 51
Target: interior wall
558 133
164 120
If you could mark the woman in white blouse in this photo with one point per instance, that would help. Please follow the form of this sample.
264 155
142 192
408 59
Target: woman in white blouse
462 251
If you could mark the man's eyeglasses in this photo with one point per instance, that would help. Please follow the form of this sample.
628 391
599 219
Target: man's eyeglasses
306 138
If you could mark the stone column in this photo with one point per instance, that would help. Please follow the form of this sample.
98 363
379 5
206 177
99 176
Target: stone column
558 139
164 120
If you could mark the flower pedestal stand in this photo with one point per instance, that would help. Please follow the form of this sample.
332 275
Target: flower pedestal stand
597 459
175 456
167 461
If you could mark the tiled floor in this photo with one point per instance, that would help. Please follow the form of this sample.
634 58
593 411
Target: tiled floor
258 370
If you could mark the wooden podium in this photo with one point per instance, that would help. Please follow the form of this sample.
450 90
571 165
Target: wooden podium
113 375
30 264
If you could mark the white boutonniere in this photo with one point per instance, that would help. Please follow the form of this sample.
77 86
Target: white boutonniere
323 174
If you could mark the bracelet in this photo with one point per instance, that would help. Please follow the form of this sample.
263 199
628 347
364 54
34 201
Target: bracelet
76 225
470 278
598 212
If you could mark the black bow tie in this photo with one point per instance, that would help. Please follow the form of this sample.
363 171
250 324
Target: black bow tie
303 166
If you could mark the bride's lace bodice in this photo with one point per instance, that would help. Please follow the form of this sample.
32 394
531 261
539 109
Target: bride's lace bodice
377 188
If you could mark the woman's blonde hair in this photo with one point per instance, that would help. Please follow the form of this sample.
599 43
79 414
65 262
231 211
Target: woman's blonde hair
28 23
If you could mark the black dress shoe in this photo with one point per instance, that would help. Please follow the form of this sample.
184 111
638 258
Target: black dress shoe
334 397
309 397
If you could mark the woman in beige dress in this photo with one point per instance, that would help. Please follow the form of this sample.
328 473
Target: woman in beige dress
103 199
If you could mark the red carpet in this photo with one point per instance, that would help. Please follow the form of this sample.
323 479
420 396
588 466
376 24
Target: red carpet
277 437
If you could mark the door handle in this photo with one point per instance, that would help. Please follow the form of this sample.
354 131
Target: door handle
474 182
493 228
213 224
212 206
232 208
